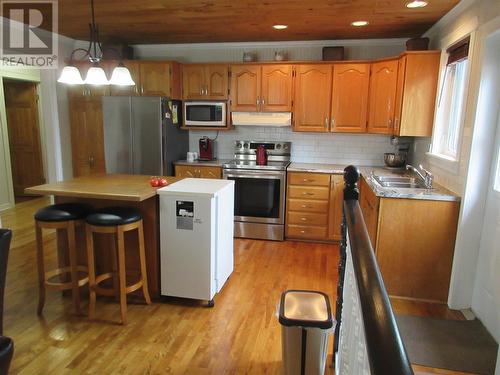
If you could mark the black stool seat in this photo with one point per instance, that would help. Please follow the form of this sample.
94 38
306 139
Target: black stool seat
112 216
63 212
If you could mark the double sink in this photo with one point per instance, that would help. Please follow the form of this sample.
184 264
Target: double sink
399 182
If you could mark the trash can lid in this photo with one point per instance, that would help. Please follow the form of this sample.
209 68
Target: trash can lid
305 308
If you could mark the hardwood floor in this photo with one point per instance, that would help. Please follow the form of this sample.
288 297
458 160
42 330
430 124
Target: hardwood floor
241 335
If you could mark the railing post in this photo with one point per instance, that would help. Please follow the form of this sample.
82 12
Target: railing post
351 177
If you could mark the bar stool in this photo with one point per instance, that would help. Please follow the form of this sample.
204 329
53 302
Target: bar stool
66 216
117 221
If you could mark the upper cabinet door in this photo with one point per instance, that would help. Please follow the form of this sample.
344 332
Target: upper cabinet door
383 82
276 88
193 81
155 78
216 81
133 67
313 88
350 97
417 89
245 88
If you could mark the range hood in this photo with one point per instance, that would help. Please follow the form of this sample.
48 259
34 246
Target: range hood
262 118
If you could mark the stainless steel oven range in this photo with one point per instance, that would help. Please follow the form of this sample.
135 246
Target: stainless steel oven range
259 197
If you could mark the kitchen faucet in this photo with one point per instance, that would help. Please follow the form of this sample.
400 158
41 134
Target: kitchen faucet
427 177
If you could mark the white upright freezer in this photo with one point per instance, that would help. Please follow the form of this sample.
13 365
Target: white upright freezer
196 237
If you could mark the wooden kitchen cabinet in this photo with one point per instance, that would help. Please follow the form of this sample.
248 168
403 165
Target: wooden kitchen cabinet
160 78
261 88
196 171
336 207
312 99
369 204
87 137
205 82
414 243
245 88
350 98
276 88
382 96
416 93
314 206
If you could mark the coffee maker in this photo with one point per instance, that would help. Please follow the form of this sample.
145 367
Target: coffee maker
207 148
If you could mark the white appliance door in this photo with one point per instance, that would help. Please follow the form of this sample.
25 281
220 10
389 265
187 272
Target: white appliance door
187 235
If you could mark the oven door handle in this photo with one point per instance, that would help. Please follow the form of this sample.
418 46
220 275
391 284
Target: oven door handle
259 174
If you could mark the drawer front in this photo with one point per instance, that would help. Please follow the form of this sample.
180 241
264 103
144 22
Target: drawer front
309 179
307 218
305 205
306 232
309 192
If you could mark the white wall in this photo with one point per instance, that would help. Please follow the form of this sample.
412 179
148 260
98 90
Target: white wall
306 147
344 149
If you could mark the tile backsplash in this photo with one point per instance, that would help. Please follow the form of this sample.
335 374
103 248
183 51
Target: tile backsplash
334 148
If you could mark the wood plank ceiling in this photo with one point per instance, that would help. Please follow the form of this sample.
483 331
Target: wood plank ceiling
191 21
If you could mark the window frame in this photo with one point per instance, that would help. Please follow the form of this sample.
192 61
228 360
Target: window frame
438 159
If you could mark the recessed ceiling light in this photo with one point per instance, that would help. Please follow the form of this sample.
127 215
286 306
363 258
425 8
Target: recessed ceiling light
359 23
280 27
416 4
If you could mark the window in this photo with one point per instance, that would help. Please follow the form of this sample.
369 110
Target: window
451 101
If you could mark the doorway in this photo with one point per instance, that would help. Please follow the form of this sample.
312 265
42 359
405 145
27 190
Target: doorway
23 124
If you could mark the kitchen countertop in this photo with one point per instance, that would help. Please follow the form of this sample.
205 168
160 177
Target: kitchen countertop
316 168
105 186
202 163
437 193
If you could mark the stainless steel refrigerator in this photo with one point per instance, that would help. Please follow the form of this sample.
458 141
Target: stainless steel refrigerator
142 135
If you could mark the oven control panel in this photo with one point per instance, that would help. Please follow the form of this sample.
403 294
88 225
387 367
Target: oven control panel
273 148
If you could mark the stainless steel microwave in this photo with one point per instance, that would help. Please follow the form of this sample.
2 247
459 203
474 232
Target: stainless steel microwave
205 113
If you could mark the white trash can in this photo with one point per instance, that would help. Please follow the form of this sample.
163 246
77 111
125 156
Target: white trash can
306 324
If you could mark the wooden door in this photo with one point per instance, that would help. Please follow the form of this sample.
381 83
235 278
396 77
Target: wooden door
155 78
216 81
193 82
245 88
313 88
350 97
133 67
383 83
336 205
87 137
21 104
277 88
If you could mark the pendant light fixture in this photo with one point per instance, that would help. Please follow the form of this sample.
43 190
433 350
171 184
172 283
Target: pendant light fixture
95 75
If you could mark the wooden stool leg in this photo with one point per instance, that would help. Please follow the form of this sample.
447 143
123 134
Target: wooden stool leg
122 273
142 257
91 270
73 263
114 266
41 268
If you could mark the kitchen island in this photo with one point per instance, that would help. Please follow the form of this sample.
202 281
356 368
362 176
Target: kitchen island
107 190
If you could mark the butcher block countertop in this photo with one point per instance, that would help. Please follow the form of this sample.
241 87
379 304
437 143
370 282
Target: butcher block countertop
122 187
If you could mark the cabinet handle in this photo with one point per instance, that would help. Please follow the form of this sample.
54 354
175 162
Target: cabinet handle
303 218
302 231
307 180
91 161
258 101
263 101
390 123
396 124
201 90
306 193
305 206
326 121
332 122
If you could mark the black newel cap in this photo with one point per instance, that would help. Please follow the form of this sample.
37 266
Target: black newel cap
351 175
